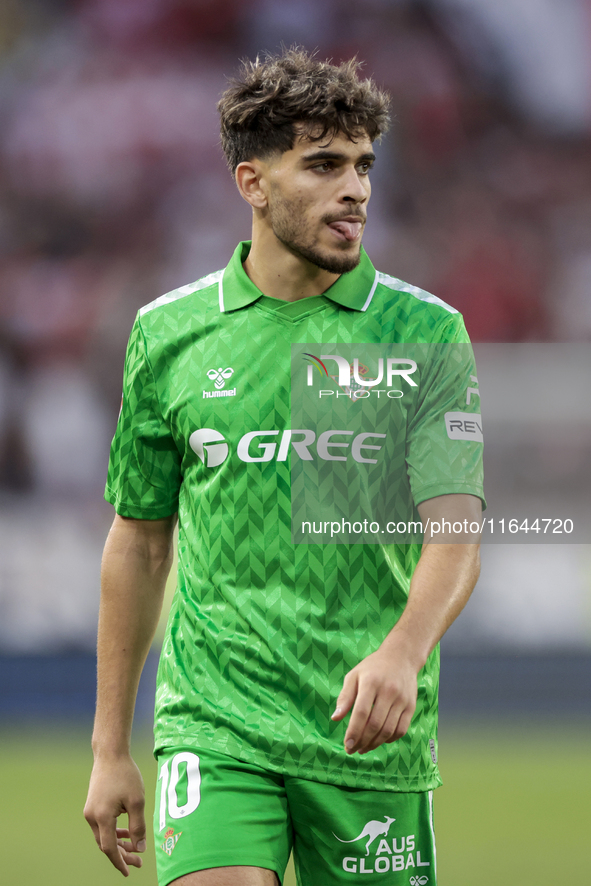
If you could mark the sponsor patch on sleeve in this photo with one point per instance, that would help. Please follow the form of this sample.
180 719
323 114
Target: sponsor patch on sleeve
464 426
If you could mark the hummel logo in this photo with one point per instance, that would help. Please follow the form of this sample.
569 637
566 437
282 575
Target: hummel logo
220 375
418 881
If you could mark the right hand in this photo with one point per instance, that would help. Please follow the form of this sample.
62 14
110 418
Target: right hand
116 787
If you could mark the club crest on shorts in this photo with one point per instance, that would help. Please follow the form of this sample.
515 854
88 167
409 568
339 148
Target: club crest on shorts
170 841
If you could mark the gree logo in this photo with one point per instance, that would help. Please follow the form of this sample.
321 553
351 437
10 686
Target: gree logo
211 447
204 443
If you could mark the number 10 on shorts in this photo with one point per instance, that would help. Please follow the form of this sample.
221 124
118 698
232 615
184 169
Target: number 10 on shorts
176 781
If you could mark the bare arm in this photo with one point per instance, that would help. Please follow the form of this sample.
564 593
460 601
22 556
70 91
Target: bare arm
136 563
382 689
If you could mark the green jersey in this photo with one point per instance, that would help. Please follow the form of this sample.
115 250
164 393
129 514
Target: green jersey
266 621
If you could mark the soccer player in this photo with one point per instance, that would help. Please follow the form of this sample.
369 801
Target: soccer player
297 690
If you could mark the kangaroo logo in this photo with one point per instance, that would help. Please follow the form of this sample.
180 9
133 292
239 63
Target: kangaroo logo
371 830
220 375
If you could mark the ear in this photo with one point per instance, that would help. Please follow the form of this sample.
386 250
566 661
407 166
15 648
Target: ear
248 179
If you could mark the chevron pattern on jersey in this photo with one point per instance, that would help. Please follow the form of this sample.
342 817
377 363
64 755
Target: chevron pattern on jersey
264 625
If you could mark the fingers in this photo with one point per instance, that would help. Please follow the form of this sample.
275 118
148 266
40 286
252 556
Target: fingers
368 716
137 825
403 723
94 827
126 849
346 697
376 732
395 726
382 713
111 841
121 853
382 725
127 854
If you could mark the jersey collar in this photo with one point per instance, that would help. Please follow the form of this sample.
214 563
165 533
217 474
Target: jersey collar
355 289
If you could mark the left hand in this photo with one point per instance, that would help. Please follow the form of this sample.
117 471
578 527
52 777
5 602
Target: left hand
382 689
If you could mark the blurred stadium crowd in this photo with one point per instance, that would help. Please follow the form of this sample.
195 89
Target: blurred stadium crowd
113 190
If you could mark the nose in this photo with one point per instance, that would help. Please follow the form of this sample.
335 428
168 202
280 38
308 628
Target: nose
356 188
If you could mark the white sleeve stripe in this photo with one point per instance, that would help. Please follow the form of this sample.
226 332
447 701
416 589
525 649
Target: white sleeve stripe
371 292
183 291
401 286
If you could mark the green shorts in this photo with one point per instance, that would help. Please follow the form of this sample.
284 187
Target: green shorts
213 811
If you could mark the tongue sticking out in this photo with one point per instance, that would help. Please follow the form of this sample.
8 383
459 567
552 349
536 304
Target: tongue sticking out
349 230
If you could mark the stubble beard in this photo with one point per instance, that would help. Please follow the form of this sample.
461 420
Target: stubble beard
290 229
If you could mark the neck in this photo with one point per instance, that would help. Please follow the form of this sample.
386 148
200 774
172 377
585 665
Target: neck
279 273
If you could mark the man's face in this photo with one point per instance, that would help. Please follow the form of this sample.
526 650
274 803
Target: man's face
317 199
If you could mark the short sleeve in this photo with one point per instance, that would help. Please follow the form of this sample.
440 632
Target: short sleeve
444 443
144 474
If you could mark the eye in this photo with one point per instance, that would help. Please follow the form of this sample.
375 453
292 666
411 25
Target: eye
364 167
325 166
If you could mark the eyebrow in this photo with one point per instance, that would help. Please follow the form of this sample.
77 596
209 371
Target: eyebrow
336 155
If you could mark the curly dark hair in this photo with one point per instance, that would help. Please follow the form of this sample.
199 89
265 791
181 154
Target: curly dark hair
272 96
